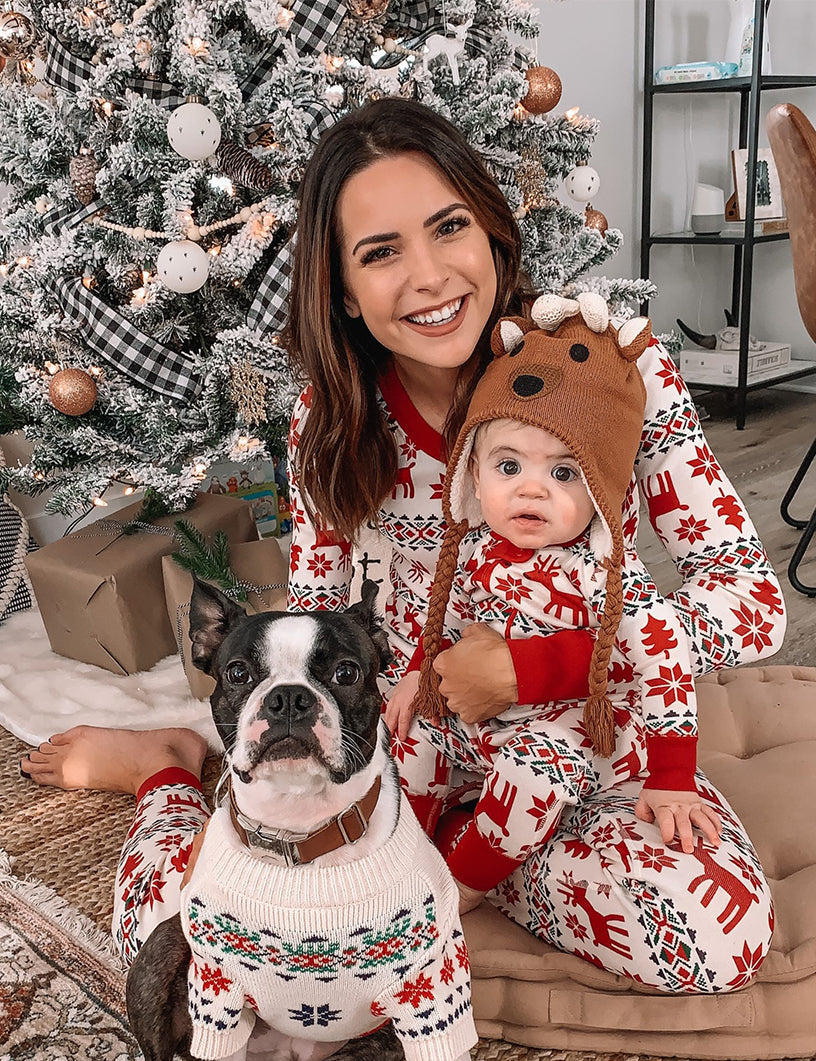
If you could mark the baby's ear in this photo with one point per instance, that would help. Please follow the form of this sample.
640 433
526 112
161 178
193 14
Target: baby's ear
634 336
508 334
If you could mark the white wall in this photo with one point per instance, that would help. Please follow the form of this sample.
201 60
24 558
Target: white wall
597 48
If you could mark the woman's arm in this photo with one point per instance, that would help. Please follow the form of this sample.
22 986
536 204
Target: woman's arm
319 560
730 602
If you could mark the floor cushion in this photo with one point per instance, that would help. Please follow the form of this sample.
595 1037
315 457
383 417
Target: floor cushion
758 746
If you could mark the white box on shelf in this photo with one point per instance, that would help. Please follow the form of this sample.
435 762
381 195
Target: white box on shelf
722 366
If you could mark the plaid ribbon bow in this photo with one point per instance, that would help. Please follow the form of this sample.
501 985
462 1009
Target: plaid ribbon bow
118 341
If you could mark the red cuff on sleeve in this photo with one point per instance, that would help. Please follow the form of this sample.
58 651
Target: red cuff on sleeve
670 762
419 654
476 863
555 667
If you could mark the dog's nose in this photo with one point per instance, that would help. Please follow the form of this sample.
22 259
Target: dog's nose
289 700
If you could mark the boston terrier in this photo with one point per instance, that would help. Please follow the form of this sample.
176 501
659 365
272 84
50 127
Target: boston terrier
317 911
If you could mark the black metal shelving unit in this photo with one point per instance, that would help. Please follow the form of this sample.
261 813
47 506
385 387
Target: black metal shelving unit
750 90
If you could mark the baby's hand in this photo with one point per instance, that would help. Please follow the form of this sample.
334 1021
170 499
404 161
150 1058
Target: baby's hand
676 812
398 712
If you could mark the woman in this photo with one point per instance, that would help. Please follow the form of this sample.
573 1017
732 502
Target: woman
409 237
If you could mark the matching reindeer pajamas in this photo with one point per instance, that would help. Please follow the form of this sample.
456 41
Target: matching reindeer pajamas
555 829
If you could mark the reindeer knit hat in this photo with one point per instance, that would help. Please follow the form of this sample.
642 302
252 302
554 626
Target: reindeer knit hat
574 376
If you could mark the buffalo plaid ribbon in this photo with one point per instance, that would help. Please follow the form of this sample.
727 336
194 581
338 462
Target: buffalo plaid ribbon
117 340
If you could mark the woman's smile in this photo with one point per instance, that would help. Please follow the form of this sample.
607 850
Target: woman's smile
439 321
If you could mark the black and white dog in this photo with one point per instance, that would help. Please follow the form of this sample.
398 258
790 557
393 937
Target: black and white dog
309 778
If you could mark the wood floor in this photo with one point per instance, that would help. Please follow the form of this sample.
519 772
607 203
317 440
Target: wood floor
760 461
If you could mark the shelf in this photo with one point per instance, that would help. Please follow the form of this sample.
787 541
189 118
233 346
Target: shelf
736 84
725 238
794 370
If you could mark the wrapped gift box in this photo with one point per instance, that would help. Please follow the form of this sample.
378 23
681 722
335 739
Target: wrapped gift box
260 565
101 592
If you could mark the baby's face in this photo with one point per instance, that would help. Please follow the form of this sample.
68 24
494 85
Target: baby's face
529 485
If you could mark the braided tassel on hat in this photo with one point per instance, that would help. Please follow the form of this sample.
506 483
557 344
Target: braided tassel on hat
599 715
429 701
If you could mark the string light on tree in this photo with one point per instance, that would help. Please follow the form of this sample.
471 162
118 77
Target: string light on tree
193 130
582 183
72 391
183 266
543 90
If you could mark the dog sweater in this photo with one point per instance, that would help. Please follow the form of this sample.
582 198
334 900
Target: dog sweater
327 953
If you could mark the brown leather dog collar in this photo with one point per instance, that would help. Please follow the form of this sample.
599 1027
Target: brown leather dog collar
295 849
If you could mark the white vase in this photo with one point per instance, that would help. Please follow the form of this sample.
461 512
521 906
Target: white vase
740 47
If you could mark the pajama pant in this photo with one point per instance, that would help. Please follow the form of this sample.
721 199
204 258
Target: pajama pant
604 886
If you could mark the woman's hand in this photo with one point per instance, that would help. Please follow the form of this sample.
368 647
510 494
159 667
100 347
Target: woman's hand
477 676
399 713
677 812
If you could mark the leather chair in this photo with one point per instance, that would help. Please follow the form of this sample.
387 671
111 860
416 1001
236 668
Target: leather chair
793 142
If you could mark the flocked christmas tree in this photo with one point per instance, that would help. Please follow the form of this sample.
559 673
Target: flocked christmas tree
144 250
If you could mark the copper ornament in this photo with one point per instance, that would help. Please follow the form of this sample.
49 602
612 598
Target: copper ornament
595 219
72 391
544 90
16 33
367 9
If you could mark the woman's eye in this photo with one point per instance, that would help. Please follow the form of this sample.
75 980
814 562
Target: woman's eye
237 673
564 474
453 224
509 467
377 254
346 673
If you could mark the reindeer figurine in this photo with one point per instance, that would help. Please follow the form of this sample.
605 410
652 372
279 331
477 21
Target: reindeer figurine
441 44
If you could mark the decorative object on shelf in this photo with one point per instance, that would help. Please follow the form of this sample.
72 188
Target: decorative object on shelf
595 219
727 338
16 33
543 90
768 191
367 9
582 183
72 391
83 170
707 210
740 46
441 44
183 266
193 130
242 167
718 360
705 71
248 392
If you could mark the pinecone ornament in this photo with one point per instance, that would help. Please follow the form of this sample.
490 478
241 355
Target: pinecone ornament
367 9
83 170
242 167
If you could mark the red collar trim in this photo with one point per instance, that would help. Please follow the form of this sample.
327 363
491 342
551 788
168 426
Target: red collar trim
502 549
404 412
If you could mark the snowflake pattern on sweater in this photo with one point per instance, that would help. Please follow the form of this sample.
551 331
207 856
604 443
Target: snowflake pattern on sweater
729 604
327 953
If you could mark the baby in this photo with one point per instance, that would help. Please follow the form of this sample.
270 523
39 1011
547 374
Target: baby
534 543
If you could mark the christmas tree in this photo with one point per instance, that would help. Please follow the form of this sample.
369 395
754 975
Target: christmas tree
154 152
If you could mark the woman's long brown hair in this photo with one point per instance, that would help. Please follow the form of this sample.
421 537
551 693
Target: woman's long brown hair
346 457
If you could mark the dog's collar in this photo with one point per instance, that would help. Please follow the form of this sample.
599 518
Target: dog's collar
295 849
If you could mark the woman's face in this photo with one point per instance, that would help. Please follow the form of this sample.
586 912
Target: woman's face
417 266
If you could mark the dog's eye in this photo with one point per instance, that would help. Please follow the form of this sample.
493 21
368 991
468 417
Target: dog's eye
346 673
237 673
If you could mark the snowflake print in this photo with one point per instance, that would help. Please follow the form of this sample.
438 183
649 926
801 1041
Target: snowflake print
704 464
462 956
604 835
154 890
540 810
320 565
747 964
512 590
446 973
212 979
669 374
751 628
409 450
402 748
510 892
312 1015
437 488
377 1010
414 993
674 685
692 530
576 928
747 871
655 858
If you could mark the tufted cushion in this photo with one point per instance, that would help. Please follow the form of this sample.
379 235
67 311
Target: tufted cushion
758 746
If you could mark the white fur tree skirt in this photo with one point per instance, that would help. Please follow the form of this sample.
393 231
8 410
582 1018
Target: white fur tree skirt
42 693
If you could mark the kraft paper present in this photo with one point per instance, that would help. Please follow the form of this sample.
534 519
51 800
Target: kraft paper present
258 564
101 593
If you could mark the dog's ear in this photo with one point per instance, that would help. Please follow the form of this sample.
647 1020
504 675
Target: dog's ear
365 615
212 615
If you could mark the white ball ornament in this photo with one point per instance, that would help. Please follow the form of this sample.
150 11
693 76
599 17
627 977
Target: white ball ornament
193 131
183 266
582 183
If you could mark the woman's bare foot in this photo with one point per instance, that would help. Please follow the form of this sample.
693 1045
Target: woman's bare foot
112 760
